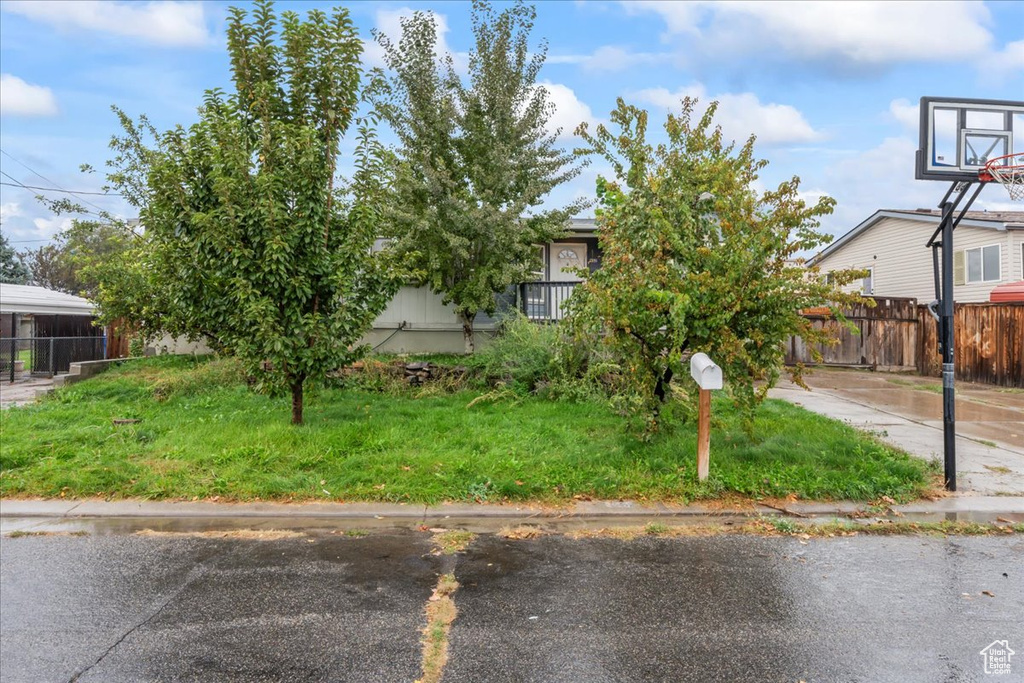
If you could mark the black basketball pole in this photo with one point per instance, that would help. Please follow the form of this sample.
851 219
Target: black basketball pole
946 334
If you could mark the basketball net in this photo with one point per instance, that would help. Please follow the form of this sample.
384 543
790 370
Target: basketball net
1008 171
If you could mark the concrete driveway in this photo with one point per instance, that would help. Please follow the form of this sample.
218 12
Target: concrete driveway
906 411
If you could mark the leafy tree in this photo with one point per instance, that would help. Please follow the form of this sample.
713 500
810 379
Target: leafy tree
249 241
476 158
12 267
695 259
78 256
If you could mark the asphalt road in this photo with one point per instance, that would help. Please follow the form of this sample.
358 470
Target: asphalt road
326 607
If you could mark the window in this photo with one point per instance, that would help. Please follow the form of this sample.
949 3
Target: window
867 284
542 260
983 264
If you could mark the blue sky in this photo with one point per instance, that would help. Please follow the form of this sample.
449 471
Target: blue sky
831 89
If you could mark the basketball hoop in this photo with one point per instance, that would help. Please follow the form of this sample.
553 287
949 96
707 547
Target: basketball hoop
1007 170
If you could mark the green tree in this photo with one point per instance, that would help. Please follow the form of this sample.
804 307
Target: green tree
476 158
695 259
12 267
77 257
249 239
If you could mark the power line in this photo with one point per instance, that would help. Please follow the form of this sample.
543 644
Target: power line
18 183
52 182
57 189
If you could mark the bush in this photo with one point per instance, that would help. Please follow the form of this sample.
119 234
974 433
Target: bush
522 354
545 359
202 376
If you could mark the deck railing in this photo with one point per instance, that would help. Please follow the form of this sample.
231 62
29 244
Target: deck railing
543 301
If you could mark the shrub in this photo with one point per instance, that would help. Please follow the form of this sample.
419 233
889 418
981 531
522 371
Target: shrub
522 354
203 376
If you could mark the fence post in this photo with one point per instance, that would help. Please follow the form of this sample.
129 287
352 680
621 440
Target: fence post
52 364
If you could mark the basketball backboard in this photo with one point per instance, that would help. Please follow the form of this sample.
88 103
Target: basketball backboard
959 136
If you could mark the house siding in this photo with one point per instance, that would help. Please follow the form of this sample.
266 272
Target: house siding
1016 255
894 249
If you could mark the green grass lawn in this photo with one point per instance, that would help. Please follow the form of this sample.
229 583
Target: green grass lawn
202 434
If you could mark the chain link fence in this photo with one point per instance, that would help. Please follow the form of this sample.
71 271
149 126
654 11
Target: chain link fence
48 356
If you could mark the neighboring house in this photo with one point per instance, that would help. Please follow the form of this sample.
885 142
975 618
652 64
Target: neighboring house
988 250
417 322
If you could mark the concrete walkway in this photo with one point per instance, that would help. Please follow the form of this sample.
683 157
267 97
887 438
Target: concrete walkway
23 391
906 411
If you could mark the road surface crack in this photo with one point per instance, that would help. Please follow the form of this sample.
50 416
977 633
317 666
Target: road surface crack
194 574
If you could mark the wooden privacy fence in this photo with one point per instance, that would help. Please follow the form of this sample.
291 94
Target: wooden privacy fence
886 337
900 335
989 344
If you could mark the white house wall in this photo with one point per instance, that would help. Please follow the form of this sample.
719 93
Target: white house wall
902 266
427 325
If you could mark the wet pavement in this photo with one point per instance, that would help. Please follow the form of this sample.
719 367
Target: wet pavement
327 607
735 608
137 608
907 412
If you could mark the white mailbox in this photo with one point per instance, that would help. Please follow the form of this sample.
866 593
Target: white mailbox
705 373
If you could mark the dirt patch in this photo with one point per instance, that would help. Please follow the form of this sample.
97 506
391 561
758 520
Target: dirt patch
521 532
236 534
780 526
441 612
452 541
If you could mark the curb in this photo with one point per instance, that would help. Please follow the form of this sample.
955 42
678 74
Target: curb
582 513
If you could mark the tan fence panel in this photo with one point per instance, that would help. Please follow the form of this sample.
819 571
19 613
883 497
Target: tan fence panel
885 337
898 334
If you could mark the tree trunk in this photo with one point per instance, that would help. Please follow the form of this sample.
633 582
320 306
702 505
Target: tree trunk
467 332
297 383
661 388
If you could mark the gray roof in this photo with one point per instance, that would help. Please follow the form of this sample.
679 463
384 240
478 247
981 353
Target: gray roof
583 225
1009 218
41 301
994 220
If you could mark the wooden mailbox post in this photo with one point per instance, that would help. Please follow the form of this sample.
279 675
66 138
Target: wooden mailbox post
708 376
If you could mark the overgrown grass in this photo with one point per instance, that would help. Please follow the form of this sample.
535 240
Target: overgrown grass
202 434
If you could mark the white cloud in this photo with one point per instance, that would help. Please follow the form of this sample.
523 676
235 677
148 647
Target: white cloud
19 98
855 33
389 22
48 227
9 210
611 59
741 114
906 113
569 112
879 178
1006 62
164 23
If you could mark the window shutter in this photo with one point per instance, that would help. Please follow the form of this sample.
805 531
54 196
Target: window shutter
959 267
